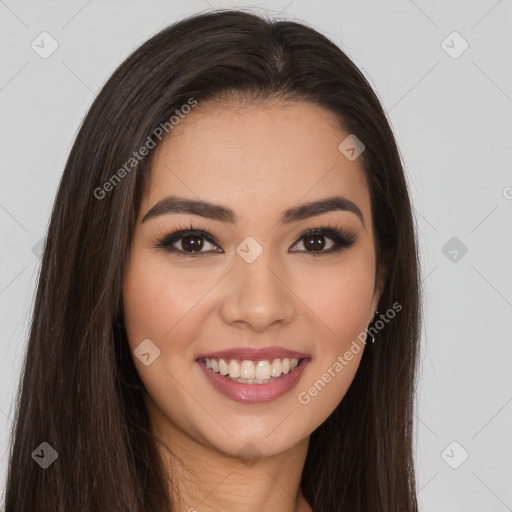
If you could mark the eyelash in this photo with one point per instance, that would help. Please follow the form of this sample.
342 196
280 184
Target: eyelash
342 239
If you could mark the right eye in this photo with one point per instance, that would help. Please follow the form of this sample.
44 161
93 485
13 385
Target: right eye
190 240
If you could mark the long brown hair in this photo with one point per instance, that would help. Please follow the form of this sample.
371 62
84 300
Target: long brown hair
80 391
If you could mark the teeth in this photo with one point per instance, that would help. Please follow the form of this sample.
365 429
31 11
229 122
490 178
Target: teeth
233 367
247 370
224 369
277 368
263 370
252 372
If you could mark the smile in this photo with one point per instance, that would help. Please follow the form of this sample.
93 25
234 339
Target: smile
244 377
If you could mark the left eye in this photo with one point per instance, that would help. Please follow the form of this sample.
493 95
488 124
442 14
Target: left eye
312 239
315 243
193 241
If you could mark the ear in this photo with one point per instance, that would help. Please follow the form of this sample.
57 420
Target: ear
381 276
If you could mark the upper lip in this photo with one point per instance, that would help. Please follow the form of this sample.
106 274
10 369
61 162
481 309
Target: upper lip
254 354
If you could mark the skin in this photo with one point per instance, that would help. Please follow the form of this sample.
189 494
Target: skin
258 161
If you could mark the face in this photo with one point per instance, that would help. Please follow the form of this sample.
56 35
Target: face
250 285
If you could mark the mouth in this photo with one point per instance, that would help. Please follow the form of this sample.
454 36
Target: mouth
254 380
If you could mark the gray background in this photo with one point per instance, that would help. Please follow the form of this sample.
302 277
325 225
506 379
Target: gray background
452 119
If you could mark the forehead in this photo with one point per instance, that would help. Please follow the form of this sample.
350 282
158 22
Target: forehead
257 158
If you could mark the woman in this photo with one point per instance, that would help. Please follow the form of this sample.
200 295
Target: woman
232 219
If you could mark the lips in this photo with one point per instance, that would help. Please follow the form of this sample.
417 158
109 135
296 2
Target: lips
254 392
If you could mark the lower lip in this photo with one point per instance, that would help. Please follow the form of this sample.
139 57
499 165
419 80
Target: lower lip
254 393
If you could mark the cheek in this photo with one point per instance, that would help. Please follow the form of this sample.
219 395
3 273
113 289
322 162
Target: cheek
340 298
157 302
161 306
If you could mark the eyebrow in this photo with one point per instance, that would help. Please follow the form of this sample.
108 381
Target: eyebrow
176 204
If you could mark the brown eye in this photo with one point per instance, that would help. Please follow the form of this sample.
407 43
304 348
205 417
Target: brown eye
192 243
313 240
188 243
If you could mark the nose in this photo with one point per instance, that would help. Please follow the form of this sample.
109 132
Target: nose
257 295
